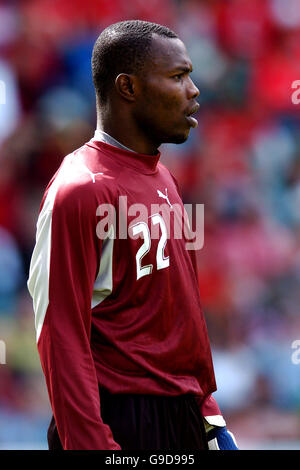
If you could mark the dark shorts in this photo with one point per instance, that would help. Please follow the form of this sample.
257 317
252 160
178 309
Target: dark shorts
148 422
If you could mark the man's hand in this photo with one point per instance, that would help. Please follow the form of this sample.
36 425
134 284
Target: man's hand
219 438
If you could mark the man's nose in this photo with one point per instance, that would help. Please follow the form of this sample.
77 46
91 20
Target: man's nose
193 91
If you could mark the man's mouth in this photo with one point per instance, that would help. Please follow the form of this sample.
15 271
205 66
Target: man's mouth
192 121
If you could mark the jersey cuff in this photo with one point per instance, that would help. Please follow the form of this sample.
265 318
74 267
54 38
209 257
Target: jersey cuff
215 420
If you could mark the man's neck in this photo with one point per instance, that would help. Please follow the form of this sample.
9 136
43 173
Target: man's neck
108 139
125 133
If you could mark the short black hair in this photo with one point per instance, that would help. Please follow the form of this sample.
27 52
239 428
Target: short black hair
123 47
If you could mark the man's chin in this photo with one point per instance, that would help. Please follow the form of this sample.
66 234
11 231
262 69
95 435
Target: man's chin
179 138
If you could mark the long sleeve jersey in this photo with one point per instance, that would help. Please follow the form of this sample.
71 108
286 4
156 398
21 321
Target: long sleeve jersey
115 291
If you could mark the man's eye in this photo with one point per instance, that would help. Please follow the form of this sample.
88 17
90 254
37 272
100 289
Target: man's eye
178 76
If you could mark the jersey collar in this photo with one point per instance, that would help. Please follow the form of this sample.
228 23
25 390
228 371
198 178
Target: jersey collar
139 161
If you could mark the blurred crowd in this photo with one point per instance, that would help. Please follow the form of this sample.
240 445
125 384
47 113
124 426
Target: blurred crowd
242 163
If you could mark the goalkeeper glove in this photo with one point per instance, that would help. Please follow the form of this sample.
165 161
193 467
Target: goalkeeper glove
219 438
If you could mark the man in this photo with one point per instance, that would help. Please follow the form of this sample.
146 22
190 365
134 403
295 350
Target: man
120 330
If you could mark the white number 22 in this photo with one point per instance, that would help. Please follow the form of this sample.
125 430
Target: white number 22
161 261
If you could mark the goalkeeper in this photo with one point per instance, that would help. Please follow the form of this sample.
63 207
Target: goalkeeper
119 325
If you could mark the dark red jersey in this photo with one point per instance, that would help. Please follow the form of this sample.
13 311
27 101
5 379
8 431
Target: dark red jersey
115 290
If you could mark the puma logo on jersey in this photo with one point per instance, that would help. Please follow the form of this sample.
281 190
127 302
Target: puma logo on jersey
164 196
92 175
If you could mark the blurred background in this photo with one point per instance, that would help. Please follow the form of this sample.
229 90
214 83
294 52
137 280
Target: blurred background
243 163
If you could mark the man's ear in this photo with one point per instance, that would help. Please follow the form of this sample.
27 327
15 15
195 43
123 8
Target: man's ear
126 86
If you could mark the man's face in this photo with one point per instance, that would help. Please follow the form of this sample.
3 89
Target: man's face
167 94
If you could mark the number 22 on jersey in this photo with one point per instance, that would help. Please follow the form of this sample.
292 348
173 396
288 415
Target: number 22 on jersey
161 261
